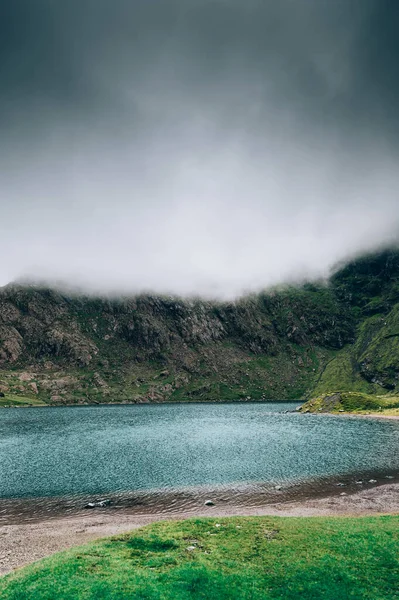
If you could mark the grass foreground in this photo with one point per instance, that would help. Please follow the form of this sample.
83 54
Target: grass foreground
245 558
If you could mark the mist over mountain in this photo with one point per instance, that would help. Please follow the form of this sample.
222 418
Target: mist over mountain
195 147
291 343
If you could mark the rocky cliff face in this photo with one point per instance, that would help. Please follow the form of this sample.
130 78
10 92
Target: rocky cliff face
63 348
72 348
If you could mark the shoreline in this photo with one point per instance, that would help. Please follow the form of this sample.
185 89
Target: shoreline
373 416
151 403
252 401
352 414
25 541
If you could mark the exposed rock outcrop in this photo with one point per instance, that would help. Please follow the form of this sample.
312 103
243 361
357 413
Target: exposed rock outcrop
282 344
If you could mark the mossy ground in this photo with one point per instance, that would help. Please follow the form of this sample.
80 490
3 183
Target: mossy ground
353 402
13 400
257 558
370 365
341 374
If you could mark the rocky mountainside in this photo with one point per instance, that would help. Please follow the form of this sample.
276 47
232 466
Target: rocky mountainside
286 344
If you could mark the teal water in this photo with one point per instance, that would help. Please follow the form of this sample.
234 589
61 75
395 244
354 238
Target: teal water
90 450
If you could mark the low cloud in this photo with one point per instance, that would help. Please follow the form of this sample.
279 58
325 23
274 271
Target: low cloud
199 148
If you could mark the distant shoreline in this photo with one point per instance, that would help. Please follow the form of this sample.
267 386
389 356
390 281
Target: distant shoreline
373 416
180 402
353 414
152 403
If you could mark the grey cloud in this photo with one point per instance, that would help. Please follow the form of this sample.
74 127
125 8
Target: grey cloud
194 146
338 57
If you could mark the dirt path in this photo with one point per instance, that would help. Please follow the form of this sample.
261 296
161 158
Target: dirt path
26 542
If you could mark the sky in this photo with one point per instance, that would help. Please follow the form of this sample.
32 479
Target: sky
195 147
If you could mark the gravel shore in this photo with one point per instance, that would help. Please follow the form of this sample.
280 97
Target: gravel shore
25 542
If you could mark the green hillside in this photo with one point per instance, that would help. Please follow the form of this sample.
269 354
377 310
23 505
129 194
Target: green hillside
370 288
353 402
288 343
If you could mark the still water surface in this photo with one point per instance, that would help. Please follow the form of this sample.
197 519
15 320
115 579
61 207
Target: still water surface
107 449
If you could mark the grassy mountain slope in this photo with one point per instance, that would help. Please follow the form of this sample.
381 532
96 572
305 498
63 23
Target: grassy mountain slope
290 343
370 288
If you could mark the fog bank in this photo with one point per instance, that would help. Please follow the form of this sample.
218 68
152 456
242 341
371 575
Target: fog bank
210 148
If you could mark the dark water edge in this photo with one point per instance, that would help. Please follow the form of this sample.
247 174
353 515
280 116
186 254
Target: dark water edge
171 502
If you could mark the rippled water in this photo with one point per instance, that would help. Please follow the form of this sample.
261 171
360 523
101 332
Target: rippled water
109 449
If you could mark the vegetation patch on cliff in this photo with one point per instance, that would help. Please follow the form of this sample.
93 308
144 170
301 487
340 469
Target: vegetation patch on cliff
8 400
352 402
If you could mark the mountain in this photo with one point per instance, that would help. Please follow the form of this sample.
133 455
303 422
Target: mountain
369 287
289 343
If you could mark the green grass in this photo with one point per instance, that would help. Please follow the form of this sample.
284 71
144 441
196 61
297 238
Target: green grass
14 400
353 402
341 374
370 364
245 558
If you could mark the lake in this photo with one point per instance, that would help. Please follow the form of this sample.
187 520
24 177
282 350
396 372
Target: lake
66 451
